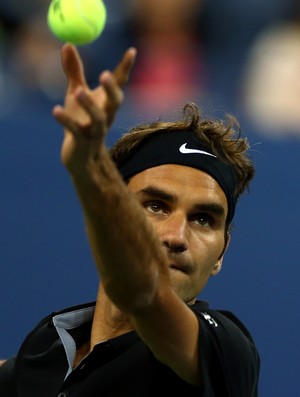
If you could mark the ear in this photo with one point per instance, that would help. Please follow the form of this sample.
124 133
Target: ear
218 265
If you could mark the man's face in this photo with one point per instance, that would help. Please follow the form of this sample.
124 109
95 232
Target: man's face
188 210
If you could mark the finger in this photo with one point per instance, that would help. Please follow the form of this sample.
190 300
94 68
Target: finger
92 125
97 115
66 120
73 67
113 91
123 69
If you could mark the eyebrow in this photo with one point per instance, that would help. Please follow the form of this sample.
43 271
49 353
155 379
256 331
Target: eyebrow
212 207
158 193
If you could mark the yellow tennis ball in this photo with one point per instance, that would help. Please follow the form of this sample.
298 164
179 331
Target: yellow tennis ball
77 21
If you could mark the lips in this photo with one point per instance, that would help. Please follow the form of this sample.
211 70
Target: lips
180 266
175 267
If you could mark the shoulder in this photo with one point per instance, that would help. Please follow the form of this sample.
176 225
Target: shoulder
41 353
226 344
220 320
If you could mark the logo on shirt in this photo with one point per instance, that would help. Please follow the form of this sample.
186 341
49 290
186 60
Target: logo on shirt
208 318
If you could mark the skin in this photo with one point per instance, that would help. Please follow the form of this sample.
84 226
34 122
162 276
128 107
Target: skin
155 241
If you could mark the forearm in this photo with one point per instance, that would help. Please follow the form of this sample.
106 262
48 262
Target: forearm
127 251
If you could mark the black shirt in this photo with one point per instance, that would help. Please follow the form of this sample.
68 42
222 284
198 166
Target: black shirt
124 366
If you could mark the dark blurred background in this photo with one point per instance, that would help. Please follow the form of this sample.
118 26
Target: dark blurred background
231 56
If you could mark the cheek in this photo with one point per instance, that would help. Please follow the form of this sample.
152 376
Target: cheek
208 249
205 256
156 221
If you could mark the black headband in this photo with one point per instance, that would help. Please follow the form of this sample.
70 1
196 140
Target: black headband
183 148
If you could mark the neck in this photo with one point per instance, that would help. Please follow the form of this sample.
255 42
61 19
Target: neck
109 322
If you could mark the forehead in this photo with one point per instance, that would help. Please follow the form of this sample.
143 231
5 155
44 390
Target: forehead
180 180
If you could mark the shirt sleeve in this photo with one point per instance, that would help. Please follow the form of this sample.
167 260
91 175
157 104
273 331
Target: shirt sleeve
229 359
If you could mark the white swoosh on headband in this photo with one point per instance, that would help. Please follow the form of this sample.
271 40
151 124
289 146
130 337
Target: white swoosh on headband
183 149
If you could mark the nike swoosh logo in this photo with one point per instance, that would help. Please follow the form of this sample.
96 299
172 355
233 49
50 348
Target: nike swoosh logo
183 149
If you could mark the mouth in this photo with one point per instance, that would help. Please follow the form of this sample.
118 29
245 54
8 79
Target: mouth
175 267
179 267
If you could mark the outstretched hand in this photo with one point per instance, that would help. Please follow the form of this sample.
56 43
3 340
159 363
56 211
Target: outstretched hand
87 113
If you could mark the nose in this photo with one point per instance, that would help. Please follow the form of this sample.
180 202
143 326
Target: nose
174 233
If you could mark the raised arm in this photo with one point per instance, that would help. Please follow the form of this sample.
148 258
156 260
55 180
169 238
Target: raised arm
130 258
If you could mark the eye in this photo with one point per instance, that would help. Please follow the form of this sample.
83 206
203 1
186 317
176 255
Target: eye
202 219
154 207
